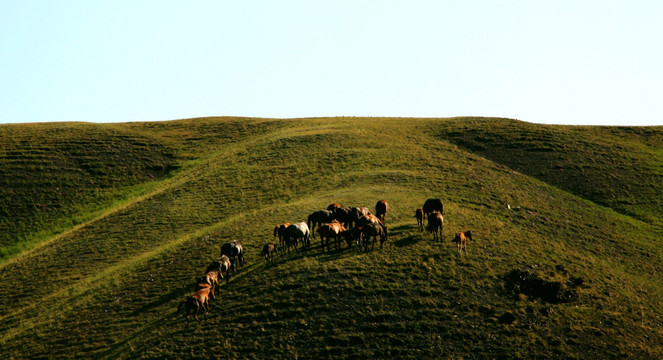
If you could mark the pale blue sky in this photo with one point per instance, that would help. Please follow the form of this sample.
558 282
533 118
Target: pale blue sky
562 62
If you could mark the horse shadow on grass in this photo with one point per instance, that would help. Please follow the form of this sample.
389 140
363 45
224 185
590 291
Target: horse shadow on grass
411 239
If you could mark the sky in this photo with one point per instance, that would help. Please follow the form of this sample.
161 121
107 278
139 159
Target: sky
553 62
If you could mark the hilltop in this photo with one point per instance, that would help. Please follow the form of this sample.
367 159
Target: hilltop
106 227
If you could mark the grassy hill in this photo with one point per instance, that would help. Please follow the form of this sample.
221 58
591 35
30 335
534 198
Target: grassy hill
106 227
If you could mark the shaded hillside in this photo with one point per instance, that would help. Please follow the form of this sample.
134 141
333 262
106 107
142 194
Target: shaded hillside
617 167
53 176
114 283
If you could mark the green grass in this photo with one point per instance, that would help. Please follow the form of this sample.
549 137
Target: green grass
108 287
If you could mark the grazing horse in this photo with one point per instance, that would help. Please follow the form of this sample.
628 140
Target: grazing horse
461 241
419 214
436 225
235 253
295 232
351 236
333 206
433 205
368 219
327 231
318 218
355 213
268 252
381 209
278 231
373 230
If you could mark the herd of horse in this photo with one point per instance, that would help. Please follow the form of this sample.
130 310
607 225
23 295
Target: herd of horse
232 257
355 225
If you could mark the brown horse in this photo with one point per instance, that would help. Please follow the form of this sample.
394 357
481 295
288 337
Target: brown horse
199 299
436 225
419 214
329 230
278 231
191 304
333 206
268 252
381 209
354 214
352 236
368 219
211 278
461 241
373 230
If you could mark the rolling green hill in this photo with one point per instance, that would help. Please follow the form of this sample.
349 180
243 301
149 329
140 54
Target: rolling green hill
105 229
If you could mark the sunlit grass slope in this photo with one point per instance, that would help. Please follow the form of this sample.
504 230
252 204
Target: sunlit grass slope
108 288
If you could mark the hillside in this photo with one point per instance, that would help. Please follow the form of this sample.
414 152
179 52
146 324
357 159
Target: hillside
135 212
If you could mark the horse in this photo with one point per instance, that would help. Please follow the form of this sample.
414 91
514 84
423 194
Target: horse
351 236
433 205
199 299
419 214
191 304
436 225
373 230
368 219
381 209
222 265
210 278
461 241
235 253
268 252
296 232
328 231
355 213
341 214
318 218
333 206
278 231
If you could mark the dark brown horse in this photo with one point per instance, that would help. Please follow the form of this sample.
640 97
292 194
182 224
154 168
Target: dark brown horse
381 210
318 218
190 305
419 214
461 241
433 205
268 252
373 230
352 236
278 231
436 225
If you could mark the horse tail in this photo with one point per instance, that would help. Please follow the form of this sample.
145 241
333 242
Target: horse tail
276 230
179 307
